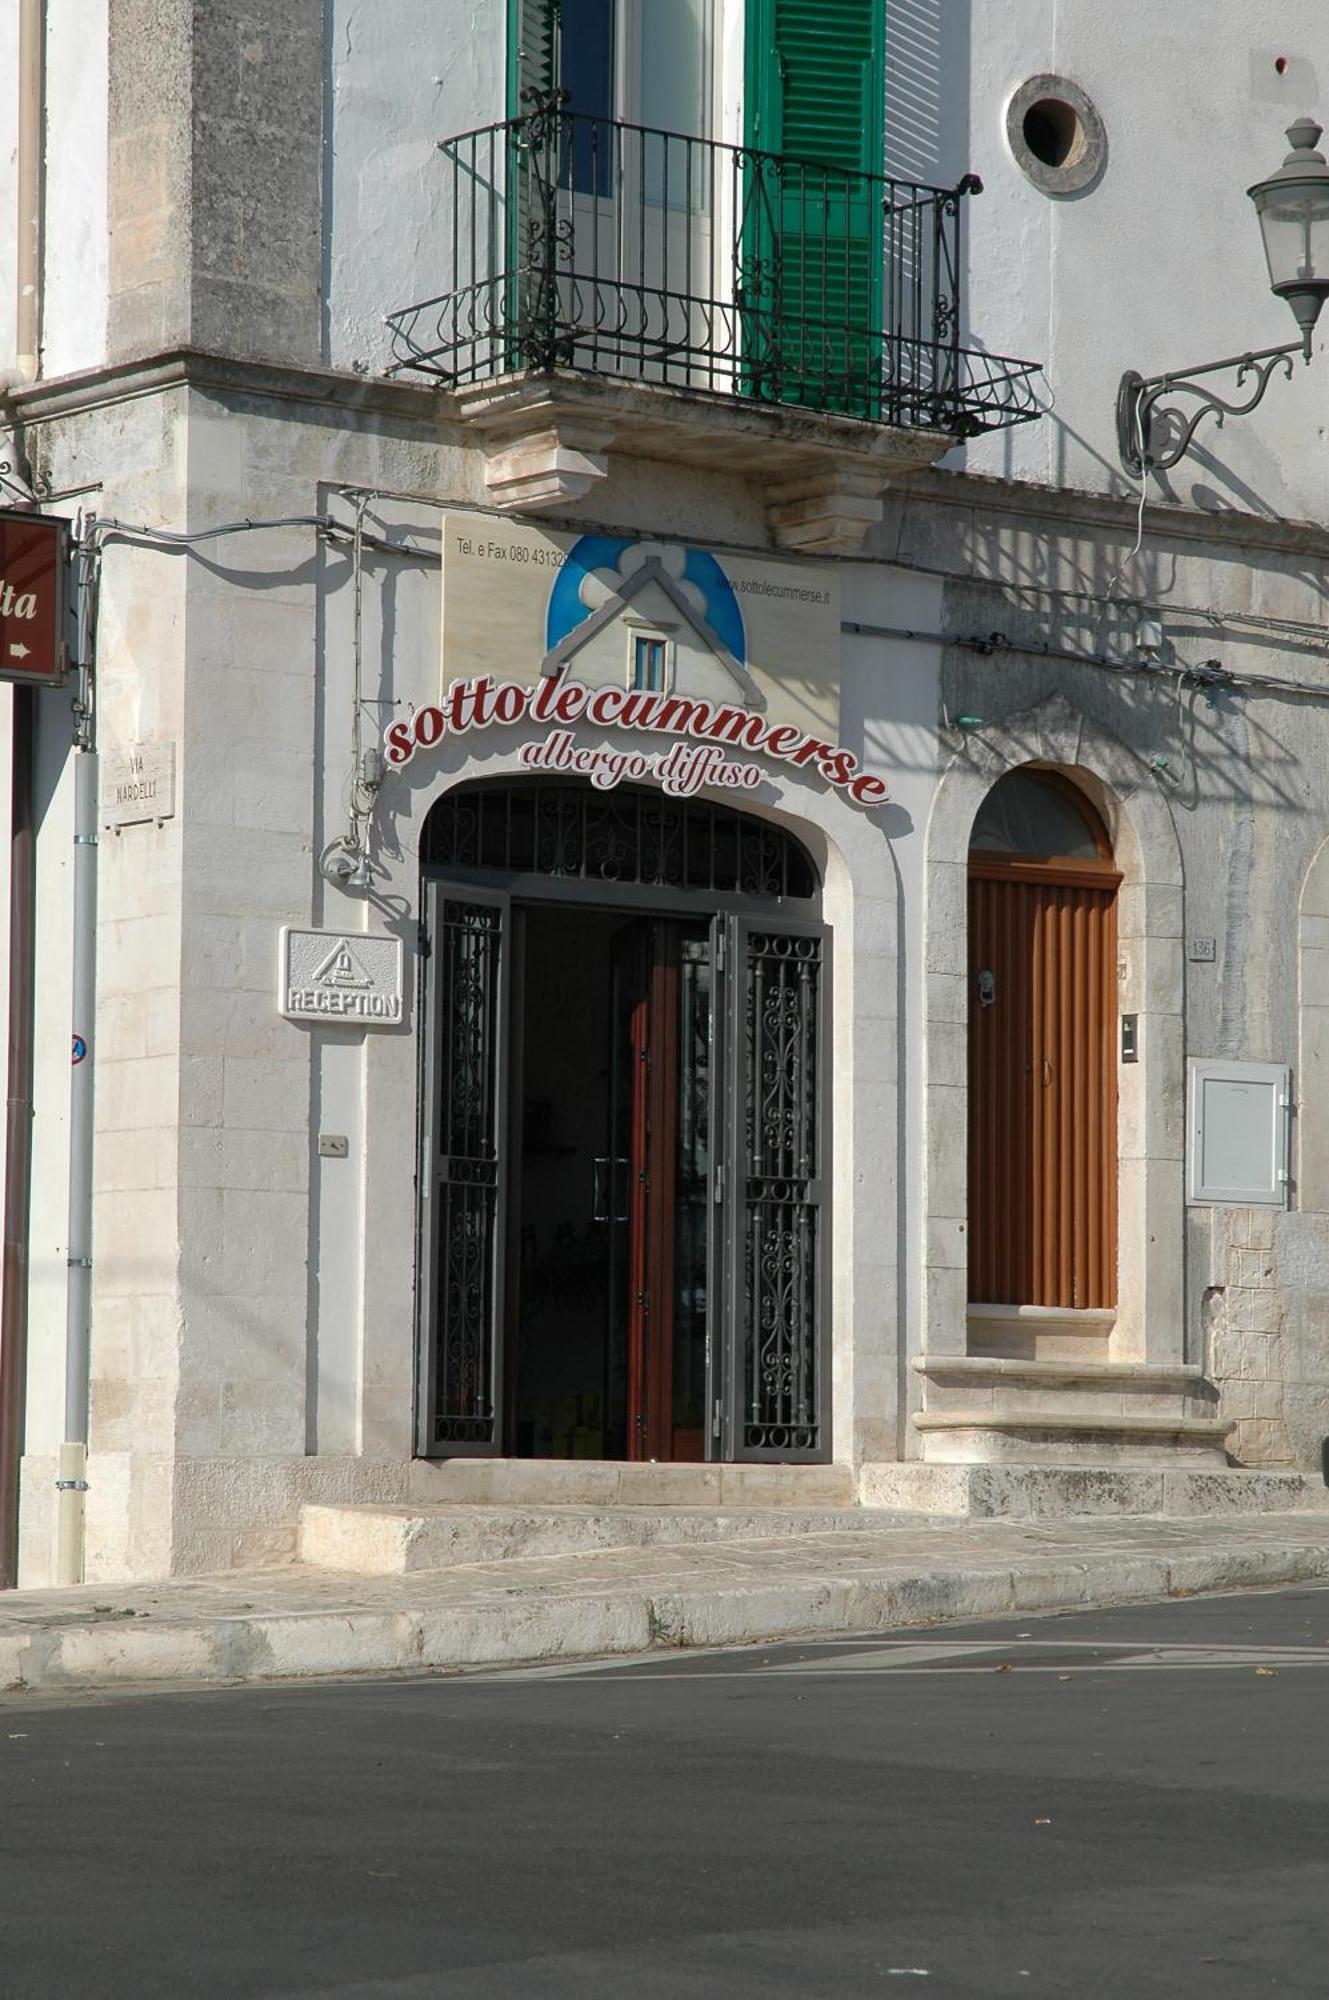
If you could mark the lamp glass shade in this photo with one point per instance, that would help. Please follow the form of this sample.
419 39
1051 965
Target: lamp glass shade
1293 209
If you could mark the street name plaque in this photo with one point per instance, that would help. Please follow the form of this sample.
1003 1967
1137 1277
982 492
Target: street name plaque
138 784
33 561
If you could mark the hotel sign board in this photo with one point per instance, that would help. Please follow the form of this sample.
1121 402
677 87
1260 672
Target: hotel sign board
33 566
698 733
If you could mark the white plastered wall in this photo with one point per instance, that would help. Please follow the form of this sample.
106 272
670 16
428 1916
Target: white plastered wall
8 192
400 79
76 245
889 695
1158 265
48 1230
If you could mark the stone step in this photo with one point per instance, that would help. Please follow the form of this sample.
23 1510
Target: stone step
1073 1488
545 1482
395 1540
985 1436
1041 1332
1078 1387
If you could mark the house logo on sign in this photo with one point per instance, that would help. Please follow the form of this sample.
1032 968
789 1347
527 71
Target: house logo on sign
342 969
334 979
651 615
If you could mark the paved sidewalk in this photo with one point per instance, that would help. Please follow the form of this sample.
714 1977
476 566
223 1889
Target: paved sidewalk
287 1623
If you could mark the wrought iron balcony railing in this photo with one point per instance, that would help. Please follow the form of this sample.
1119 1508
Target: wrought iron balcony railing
582 243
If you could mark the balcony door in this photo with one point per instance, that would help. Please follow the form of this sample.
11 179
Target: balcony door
635 176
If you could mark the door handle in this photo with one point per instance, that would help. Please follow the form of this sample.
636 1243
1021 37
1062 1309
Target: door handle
1047 1073
605 1182
987 988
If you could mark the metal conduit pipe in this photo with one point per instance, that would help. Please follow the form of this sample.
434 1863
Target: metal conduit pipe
72 1483
31 184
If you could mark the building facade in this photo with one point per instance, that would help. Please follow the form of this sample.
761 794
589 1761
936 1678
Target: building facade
690 872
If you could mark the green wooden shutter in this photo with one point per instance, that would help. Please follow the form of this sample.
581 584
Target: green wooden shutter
816 80
532 49
812 250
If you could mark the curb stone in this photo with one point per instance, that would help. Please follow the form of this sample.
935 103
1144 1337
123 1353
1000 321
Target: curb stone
497 1616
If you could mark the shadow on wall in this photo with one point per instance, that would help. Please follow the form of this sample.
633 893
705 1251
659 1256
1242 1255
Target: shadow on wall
928 138
927 90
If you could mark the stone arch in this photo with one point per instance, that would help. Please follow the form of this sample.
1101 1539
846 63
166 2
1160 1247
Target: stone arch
1149 1324
861 905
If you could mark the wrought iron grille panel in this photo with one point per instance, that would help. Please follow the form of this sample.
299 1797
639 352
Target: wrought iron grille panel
612 249
467 1121
630 837
779 1349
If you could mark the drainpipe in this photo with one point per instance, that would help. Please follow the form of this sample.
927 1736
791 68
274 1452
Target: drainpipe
72 1483
31 183
18 1125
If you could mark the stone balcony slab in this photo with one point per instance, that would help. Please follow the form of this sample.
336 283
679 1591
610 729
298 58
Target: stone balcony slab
549 439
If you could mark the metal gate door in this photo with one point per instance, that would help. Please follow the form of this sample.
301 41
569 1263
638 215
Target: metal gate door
773 1403
756 1183
463 1172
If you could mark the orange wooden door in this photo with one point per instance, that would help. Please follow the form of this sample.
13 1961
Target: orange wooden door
1042 1084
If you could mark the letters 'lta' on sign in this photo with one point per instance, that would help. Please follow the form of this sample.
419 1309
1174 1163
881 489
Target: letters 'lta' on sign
33 555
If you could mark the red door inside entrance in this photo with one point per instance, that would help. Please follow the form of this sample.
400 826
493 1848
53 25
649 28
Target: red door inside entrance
611 1193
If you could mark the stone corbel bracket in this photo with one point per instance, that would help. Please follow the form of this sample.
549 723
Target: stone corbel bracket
549 440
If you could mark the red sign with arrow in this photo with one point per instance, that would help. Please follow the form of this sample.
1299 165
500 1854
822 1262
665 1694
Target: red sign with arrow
33 565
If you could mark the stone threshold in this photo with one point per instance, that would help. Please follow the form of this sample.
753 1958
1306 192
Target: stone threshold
597 1482
1202 1430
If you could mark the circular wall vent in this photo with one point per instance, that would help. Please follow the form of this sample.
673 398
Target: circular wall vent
1056 134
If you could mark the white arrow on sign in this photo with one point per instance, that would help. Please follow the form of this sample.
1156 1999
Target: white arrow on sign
17 652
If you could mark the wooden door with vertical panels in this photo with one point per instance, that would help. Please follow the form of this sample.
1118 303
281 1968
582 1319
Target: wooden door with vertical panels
1042 1079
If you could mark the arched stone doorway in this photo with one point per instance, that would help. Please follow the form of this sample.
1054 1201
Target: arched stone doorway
623 1226
1062 1385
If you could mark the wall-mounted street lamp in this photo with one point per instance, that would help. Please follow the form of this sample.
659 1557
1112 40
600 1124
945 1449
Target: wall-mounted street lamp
1293 209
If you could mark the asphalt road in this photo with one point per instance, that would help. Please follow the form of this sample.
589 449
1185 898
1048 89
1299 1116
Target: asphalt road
1129 1803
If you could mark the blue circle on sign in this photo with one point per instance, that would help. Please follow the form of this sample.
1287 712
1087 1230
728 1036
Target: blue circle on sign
597 566
80 1048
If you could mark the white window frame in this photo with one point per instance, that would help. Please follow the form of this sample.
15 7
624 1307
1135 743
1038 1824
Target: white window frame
637 631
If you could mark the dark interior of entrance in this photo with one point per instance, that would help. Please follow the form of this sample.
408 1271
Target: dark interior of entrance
610 1191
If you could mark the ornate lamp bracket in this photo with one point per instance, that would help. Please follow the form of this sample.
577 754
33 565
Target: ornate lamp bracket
1153 434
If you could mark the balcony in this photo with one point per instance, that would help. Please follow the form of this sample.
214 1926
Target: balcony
612 287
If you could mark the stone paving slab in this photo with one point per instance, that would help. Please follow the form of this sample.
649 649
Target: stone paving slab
282 1624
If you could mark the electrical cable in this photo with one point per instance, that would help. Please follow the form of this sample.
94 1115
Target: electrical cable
107 529
1127 560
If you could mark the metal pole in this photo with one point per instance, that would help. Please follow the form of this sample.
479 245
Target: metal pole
18 1127
73 1483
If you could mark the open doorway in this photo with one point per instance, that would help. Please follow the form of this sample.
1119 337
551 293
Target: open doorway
622 1222
610 1191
